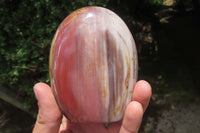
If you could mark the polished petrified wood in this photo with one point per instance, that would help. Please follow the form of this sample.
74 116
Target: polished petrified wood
93 65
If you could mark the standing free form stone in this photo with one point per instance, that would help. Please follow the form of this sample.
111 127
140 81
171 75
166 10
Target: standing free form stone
93 66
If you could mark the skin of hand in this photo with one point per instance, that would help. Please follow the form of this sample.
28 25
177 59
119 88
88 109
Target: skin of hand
51 120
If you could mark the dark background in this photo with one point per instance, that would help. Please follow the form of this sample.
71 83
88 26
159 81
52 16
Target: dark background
166 33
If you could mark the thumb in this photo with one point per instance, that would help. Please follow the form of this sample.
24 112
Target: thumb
49 115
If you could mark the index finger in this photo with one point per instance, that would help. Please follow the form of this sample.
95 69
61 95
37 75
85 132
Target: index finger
135 110
142 93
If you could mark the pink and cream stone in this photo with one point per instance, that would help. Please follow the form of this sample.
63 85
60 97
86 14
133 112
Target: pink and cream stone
93 66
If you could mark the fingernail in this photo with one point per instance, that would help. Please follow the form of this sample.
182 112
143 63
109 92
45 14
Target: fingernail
35 91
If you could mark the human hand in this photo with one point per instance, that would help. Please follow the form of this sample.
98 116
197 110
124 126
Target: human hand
51 120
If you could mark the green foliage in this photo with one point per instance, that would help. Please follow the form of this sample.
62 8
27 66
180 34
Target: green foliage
155 1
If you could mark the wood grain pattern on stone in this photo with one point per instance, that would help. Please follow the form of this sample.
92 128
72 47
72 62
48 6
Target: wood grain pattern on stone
93 65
